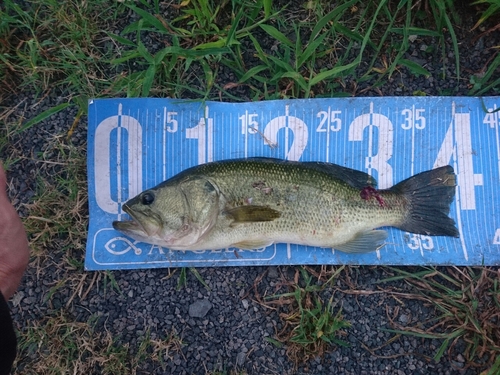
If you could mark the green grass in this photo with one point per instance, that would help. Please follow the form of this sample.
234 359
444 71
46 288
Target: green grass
69 347
493 10
77 50
467 305
311 326
182 280
58 210
60 345
55 45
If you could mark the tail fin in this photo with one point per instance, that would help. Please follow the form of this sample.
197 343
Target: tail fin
429 195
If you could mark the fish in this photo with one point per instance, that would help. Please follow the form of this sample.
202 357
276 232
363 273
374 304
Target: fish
253 203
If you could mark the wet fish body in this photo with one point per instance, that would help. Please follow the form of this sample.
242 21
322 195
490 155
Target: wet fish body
252 203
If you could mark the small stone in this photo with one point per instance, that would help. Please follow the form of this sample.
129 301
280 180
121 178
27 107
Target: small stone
346 307
240 358
16 300
245 303
272 273
199 308
56 303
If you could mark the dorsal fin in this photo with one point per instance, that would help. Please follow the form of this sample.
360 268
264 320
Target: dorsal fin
356 179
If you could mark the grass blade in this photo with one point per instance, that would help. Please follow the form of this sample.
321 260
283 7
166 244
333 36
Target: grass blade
141 48
311 48
338 11
455 47
278 35
282 64
196 274
252 72
217 44
415 68
121 40
181 282
441 350
209 75
297 78
351 34
150 19
415 31
44 115
276 343
147 82
260 52
332 72
366 39
495 369
160 56
267 8
127 56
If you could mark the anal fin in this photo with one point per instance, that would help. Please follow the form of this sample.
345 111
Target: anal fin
364 242
251 245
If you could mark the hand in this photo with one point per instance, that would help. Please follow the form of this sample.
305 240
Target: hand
14 249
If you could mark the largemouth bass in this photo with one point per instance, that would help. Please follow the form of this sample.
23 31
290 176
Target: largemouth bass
255 202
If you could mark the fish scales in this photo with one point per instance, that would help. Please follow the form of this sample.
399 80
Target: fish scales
316 208
252 203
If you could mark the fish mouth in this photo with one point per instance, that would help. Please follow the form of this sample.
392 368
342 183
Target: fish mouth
141 224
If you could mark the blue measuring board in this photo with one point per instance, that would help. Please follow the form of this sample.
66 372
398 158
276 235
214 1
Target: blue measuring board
134 144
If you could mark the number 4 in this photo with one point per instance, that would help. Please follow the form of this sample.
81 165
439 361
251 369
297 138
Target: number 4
496 239
458 144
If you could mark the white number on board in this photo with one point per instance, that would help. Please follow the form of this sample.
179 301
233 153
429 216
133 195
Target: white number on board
170 123
292 124
249 123
420 242
492 117
414 118
384 146
102 161
496 239
457 144
204 133
329 121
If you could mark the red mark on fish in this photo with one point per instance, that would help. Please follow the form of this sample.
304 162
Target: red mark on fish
370 192
261 185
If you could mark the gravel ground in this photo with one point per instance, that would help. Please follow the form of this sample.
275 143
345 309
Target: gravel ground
224 328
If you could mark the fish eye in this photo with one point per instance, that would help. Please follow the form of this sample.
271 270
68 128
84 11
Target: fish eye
147 198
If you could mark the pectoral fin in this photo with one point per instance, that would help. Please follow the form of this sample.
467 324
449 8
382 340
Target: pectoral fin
364 242
250 245
249 214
